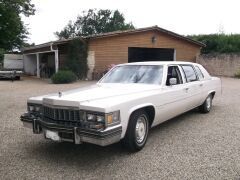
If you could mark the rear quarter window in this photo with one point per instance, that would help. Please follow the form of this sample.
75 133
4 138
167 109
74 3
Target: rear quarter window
199 73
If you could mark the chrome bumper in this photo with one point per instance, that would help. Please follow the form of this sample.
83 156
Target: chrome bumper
76 135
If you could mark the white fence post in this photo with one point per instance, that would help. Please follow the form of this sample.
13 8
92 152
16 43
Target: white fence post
56 61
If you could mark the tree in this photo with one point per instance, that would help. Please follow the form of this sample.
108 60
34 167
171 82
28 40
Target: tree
12 29
95 22
219 43
77 58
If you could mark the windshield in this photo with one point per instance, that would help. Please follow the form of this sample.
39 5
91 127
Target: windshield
146 74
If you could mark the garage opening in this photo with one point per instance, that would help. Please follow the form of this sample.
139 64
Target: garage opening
137 54
46 64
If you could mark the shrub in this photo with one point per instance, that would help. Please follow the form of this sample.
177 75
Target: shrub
237 74
63 77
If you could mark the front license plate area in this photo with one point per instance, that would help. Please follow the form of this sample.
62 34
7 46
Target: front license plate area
52 135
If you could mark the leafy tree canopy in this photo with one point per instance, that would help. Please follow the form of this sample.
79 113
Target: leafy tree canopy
94 22
12 29
219 43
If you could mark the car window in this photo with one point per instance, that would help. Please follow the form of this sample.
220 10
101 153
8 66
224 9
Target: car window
199 73
174 72
189 73
146 74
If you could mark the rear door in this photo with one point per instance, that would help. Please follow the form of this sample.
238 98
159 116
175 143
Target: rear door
193 87
202 84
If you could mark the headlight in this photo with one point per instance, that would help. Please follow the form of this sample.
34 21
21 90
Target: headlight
31 108
34 108
95 118
37 108
101 120
91 117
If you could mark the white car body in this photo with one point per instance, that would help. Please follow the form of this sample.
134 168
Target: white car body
167 101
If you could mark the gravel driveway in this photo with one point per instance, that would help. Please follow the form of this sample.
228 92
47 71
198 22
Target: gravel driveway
191 146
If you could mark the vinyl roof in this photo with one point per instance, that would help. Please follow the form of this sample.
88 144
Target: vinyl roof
118 33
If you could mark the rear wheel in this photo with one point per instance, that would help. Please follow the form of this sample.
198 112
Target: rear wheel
207 105
137 132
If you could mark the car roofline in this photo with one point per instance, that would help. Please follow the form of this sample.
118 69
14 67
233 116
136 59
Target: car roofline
158 63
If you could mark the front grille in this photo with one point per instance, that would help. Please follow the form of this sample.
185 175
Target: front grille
68 117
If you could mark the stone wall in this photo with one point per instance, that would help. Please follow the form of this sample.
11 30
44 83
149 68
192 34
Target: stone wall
220 64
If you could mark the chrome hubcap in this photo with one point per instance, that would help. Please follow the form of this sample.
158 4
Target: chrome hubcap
208 101
141 129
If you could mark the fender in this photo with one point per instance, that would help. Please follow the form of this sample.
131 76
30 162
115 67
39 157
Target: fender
139 107
209 92
130 111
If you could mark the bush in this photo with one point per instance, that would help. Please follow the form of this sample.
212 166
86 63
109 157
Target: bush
237 74
63 77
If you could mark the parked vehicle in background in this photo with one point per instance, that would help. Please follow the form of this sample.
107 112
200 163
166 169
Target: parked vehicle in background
13 62
12 67
129 100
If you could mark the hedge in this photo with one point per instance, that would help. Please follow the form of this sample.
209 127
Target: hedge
219 43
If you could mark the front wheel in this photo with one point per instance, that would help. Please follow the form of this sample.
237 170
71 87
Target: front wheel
137 131
207 105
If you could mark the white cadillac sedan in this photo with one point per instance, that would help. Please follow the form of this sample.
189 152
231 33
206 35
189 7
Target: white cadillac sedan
129 100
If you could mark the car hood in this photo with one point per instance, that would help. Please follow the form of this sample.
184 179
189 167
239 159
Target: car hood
96 92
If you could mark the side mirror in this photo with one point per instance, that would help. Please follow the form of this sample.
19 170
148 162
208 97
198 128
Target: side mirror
172 81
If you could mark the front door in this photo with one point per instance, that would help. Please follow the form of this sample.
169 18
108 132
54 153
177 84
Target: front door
173 100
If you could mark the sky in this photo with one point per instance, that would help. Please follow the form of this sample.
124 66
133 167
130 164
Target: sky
185 17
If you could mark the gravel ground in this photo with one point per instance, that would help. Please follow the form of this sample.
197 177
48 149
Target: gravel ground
191 146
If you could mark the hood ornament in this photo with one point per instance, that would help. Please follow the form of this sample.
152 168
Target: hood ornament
59 94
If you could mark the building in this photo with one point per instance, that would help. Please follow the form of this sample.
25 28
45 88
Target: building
144 44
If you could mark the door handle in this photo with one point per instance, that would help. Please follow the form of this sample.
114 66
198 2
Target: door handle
200 85
186 89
